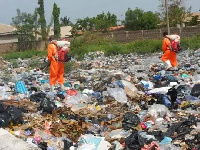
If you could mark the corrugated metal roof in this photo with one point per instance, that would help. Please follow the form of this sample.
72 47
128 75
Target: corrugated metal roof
188 19
6 28
64 31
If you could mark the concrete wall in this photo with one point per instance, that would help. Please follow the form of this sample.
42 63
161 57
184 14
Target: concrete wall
119 36
8 38
130 36
11 47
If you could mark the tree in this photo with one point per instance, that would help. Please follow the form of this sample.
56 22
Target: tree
149 21
139 20
56 14
104 21
26 25
194 20
84 24
42 19
101 22
177 11
65 21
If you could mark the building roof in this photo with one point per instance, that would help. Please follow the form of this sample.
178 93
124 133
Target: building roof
6 29
64 31
117 28
188 19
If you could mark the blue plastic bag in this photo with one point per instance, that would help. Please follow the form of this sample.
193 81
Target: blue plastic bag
20 87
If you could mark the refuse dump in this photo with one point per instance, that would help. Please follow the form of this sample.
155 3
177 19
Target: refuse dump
118 102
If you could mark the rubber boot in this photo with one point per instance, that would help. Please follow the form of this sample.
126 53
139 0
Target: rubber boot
169 66
52 88
63 88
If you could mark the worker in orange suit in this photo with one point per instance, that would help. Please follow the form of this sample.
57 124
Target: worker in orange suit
56 67
166 50
173 55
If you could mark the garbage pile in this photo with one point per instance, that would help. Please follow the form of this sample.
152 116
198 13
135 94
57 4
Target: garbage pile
118 102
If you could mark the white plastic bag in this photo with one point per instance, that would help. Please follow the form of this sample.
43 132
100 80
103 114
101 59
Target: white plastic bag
162 90
129 85
158 111
91 142
79 98
118 93
169 147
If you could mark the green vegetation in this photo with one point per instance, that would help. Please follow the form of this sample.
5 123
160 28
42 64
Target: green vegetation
139 20
42 20
102 22
93 42
178 11
56 14
90 42
23 55
65 21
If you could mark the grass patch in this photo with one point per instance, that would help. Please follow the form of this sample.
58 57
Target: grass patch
91 42
23 55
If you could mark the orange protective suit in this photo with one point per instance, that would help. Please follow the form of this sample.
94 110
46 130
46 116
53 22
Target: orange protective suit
166 49
56 68
173 59
168 54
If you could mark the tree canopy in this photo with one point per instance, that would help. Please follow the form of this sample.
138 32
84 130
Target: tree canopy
177 12
42 20
56 15
139 20
65 21
101 22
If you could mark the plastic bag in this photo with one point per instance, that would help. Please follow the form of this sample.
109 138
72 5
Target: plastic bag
173 94
116 146
118 94
97 95
162 90
117 134
5 119
79 98
196 90
134 142
158 111
20 87
129 85
169 147
166 140
2 107
43 145
72 92
171 78
196 78
38 97
15 113
130 120
91 140
159 135
47 106
67 144
147 84
87 147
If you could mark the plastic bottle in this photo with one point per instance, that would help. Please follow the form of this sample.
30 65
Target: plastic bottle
178 101
165 100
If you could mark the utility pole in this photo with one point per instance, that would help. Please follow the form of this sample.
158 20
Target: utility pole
167 15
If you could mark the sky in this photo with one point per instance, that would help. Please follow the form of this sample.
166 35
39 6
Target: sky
76 9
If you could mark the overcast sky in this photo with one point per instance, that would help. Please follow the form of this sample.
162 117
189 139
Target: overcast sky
81 8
